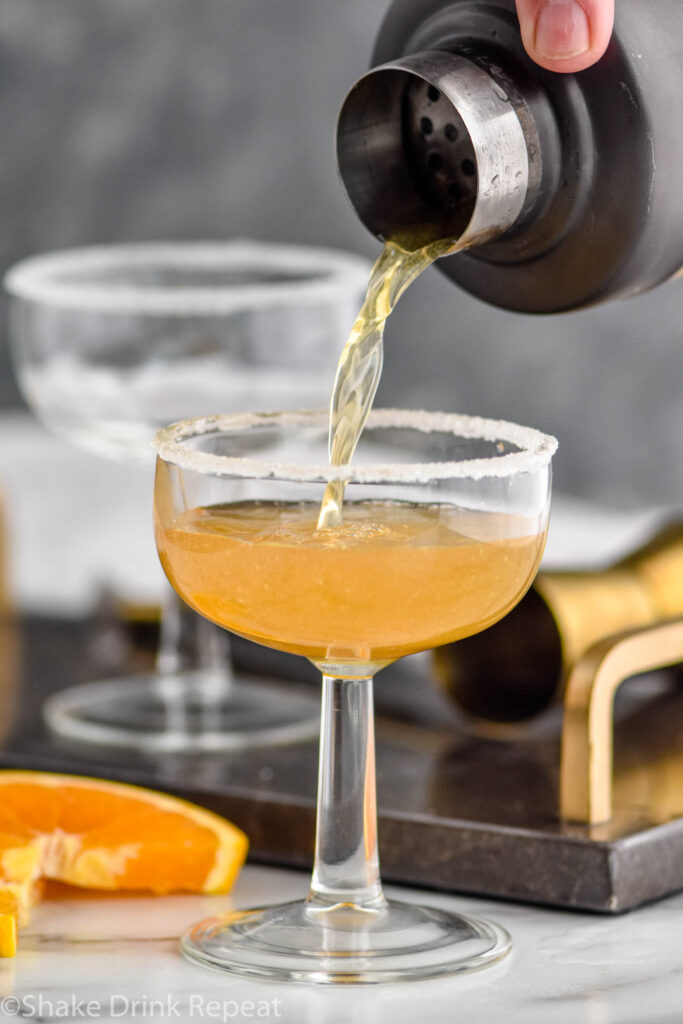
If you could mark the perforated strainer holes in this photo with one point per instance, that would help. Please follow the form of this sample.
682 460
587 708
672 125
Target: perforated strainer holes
467 167
436 143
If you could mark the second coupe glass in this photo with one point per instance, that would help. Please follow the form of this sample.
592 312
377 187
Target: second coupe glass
112 343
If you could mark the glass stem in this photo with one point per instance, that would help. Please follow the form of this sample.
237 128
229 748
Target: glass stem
189 643
346 866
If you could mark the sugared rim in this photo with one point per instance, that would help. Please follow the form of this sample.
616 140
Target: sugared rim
536 449
333 275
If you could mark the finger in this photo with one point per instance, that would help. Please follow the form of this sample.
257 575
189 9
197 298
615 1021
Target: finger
566 35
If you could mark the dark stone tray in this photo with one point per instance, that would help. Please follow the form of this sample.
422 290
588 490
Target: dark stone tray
458 812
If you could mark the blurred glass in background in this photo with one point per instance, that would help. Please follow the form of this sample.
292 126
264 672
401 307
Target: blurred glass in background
112 343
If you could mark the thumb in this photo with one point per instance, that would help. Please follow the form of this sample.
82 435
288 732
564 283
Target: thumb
565 35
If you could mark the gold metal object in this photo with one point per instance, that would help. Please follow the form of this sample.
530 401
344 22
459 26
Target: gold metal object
641 590
588 724
519 667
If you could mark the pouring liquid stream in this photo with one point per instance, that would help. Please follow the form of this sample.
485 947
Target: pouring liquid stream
360 364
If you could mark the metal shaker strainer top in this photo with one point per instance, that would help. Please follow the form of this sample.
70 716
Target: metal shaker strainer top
431 146
576 195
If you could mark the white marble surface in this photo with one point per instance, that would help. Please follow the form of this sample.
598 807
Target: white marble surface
565 968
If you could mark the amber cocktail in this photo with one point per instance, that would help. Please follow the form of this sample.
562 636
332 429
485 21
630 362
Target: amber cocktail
392 579
443 526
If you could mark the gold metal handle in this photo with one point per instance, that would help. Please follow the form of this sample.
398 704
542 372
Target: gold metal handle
587 729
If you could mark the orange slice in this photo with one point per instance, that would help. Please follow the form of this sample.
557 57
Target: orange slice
105 835
9 915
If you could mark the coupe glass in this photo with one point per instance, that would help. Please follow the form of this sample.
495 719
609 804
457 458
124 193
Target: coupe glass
112 343
444 524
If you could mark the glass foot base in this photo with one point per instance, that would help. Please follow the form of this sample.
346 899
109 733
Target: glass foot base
344 944
188 712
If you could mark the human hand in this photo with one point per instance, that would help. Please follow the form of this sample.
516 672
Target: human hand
566 35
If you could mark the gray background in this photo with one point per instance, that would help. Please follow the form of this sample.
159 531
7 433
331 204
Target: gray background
125 120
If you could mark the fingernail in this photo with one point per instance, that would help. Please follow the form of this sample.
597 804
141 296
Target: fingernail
562 30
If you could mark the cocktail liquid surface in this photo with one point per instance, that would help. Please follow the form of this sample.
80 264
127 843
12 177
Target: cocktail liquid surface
393 578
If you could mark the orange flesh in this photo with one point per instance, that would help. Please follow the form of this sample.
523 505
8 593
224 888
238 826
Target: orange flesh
104 835
392 579
9 914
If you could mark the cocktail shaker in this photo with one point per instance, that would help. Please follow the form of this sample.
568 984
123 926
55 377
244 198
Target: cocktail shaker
568 187
518 667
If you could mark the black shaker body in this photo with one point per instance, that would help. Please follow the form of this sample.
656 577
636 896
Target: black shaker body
606 220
